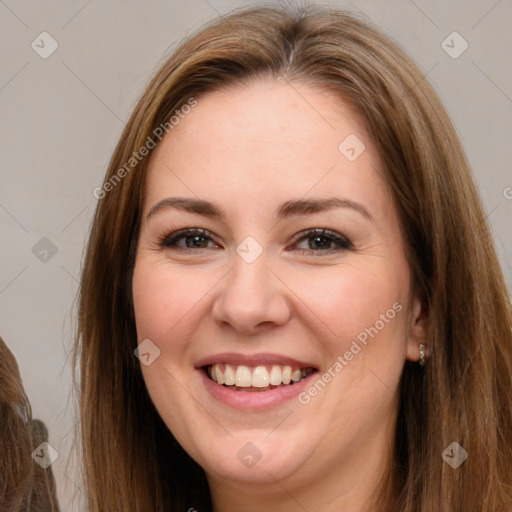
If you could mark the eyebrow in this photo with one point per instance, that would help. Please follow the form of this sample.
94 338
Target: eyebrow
287 209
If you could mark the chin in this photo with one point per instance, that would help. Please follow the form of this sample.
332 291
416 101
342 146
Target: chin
254 458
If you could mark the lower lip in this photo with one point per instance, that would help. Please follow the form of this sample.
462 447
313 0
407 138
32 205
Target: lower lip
255 400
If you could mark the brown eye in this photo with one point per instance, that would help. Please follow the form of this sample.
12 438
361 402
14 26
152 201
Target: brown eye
322 241
188 239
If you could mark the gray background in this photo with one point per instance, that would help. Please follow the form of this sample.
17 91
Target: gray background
62 116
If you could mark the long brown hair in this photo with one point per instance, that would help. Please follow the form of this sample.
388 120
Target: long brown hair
24 485
464 394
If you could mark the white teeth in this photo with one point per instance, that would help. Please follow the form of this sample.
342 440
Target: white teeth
256 377
243 377
229 375
219 376
275 376
260 377
287 374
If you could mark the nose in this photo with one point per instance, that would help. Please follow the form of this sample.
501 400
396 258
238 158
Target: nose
251 298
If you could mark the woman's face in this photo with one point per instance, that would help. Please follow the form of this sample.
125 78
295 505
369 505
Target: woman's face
293 267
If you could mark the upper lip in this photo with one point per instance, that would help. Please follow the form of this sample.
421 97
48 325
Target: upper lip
252 360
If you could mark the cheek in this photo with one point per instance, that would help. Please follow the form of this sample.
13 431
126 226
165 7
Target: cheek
359 314
164 299
355 303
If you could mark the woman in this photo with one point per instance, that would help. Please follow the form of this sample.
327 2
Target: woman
290 299
24 485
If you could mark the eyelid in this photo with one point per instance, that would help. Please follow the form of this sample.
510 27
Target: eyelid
343 241
169 239
174 235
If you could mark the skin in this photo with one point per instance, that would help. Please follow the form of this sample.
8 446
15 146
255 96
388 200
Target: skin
248 150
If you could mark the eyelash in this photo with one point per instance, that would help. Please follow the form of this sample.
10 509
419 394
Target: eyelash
170 240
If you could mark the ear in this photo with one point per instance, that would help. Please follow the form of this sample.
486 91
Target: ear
418 330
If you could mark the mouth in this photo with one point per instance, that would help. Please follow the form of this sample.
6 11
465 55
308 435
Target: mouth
254 382
261 378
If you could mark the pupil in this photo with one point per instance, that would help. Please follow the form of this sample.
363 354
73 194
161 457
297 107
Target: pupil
319 242
195 241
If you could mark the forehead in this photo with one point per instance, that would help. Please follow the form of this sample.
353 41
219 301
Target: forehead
264 139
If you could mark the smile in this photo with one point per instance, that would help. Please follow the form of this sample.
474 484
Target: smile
256 378
254 382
